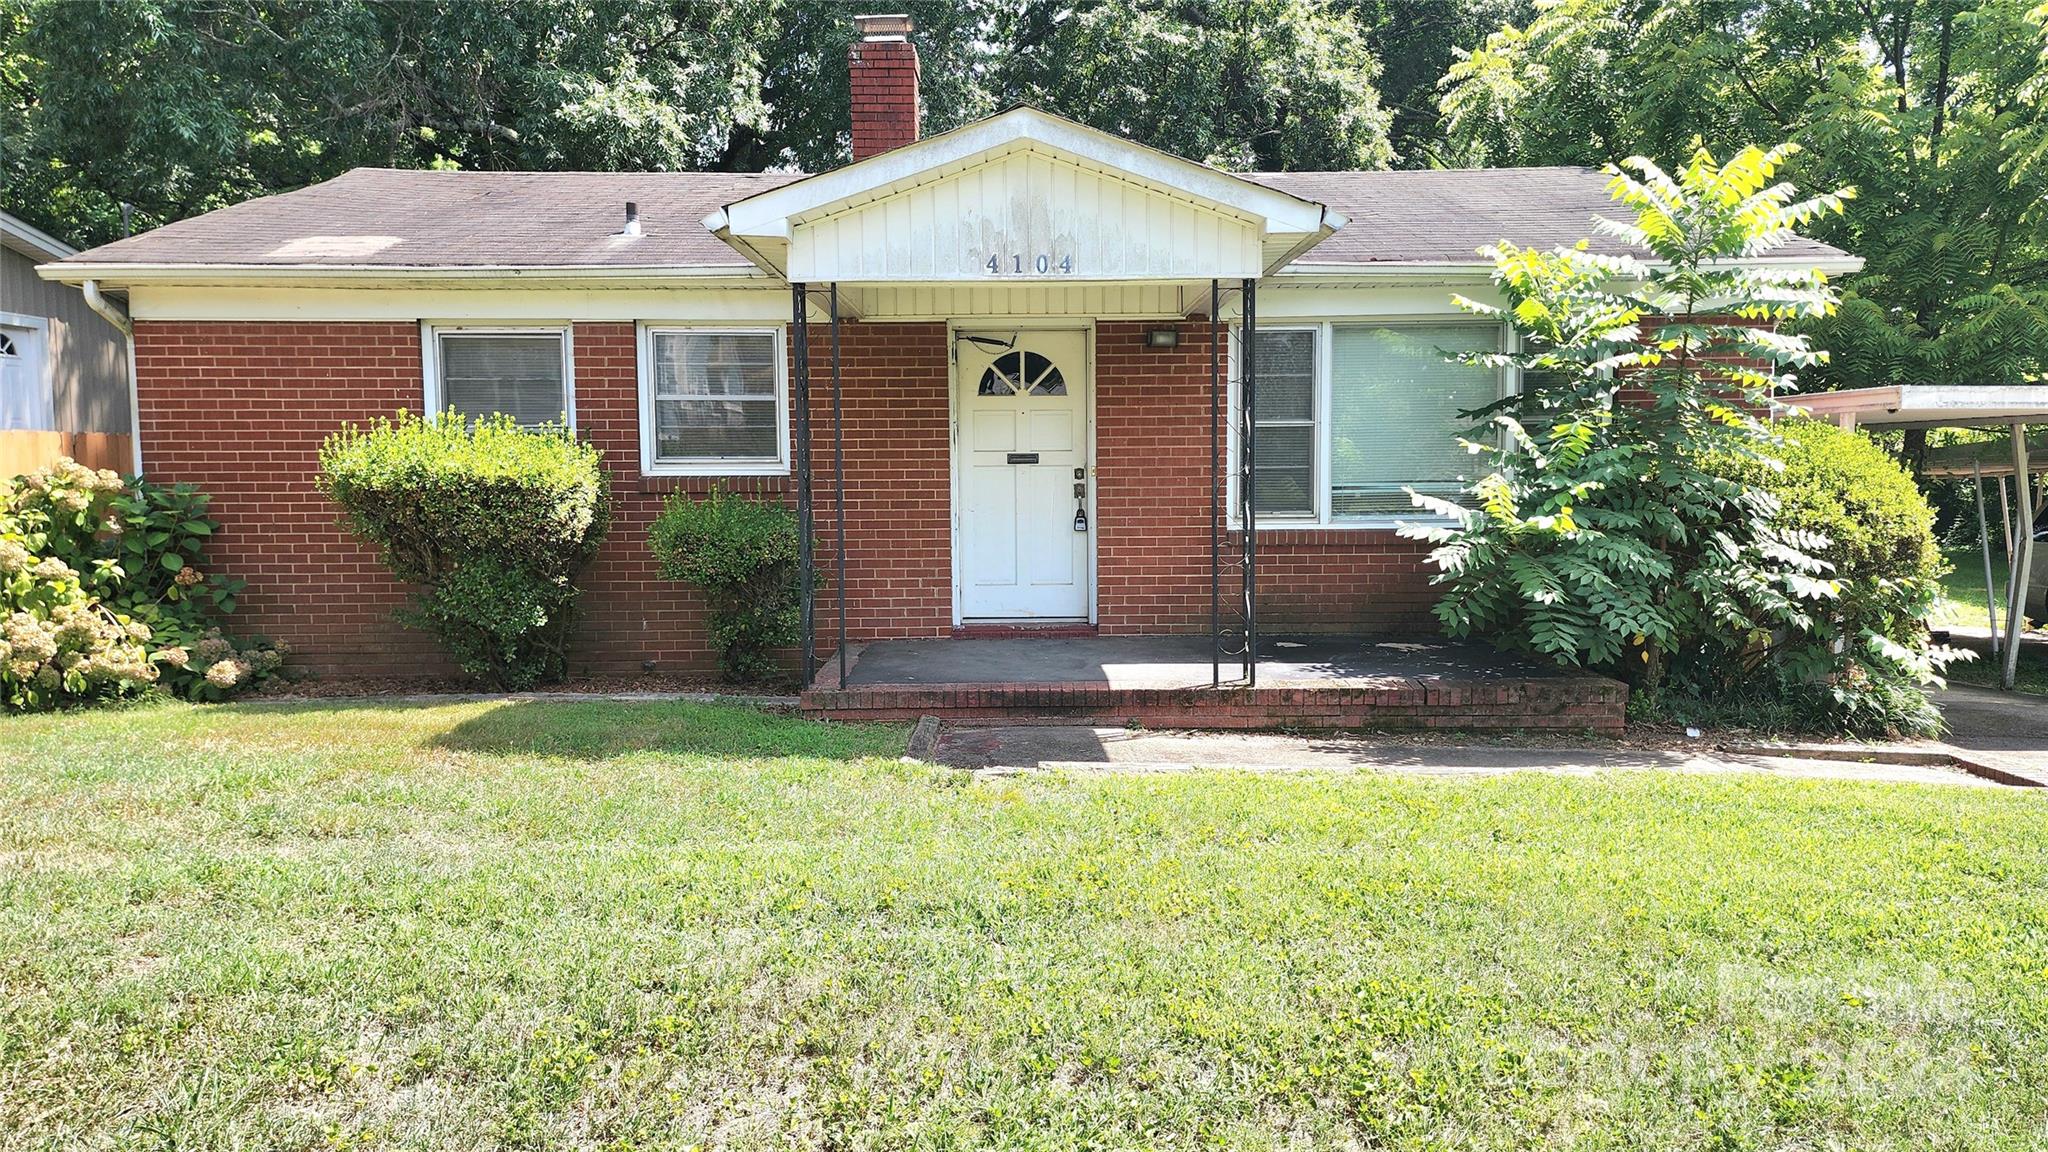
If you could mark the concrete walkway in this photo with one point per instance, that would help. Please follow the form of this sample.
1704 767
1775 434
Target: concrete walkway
1004 750
2006 730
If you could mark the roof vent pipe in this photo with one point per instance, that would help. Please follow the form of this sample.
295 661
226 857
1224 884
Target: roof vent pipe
632 227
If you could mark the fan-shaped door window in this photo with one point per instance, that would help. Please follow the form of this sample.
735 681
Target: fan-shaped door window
1022 373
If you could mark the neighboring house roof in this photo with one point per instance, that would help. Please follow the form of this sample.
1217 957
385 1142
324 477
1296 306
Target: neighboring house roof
20 236
396 219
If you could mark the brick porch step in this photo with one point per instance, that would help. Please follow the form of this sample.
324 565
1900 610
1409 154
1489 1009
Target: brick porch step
1162 682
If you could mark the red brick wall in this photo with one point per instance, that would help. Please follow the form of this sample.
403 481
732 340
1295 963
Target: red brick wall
899 523
883 80
1152 468
240 409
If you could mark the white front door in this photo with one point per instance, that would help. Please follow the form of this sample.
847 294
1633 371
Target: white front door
1022 459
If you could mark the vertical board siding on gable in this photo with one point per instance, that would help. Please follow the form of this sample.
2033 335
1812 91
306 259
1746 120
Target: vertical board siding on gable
1023 205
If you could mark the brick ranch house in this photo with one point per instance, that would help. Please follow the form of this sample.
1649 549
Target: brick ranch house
1035 318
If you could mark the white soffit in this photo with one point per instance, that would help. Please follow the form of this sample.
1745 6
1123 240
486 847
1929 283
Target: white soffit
1013 188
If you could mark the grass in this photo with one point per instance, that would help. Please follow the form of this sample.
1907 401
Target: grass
2031 675
1962 589
640 926
1962 603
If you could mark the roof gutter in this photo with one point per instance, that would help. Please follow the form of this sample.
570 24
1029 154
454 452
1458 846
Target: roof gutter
1326 227
719 224
1831 265
78 272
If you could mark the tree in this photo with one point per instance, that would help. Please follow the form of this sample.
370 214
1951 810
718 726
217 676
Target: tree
1605 534
181 106
1415 42
1932 109
1265 85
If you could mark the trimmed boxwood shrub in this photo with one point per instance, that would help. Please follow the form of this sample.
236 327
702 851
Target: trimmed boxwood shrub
1863 664
743 555
491 520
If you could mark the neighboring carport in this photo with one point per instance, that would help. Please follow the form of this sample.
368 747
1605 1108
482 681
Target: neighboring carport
2010 407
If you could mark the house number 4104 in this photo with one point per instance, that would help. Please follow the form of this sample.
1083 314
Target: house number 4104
1018 264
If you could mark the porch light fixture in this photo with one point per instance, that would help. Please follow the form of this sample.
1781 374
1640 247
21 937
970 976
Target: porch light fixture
1162 338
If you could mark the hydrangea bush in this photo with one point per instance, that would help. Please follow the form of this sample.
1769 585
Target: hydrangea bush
105 593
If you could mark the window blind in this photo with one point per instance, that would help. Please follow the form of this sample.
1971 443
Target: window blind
1394 404
715 396
1283 467
519 375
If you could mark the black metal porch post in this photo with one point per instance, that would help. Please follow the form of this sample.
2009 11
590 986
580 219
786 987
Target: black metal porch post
800 329
839 481
1215 485
1250 400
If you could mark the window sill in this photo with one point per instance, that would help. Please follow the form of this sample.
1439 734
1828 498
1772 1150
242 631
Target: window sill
758 485
1373 524
735 468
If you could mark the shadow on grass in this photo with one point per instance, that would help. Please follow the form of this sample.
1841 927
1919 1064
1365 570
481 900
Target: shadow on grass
595 730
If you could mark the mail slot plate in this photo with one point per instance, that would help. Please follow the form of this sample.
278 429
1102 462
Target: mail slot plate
1023 457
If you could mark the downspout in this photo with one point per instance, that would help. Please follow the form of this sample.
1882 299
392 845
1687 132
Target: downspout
112 314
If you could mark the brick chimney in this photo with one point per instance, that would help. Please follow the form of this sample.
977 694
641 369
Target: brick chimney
882 68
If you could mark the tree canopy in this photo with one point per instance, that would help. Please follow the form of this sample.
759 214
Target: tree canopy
1931 109
181 106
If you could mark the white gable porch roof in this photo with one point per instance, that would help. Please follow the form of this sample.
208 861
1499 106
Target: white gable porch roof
1022 197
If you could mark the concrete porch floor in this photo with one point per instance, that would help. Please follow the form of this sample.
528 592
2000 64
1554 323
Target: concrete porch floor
1163 681
1176 661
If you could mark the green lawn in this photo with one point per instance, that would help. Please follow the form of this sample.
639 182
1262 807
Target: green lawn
1962 589
1962 603
637 926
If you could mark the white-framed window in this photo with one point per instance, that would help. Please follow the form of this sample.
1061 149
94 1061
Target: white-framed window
1381 415
1284 476
28 394
526 372
713 401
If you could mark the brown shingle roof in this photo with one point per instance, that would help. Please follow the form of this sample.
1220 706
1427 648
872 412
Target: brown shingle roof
410 219
1446 215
